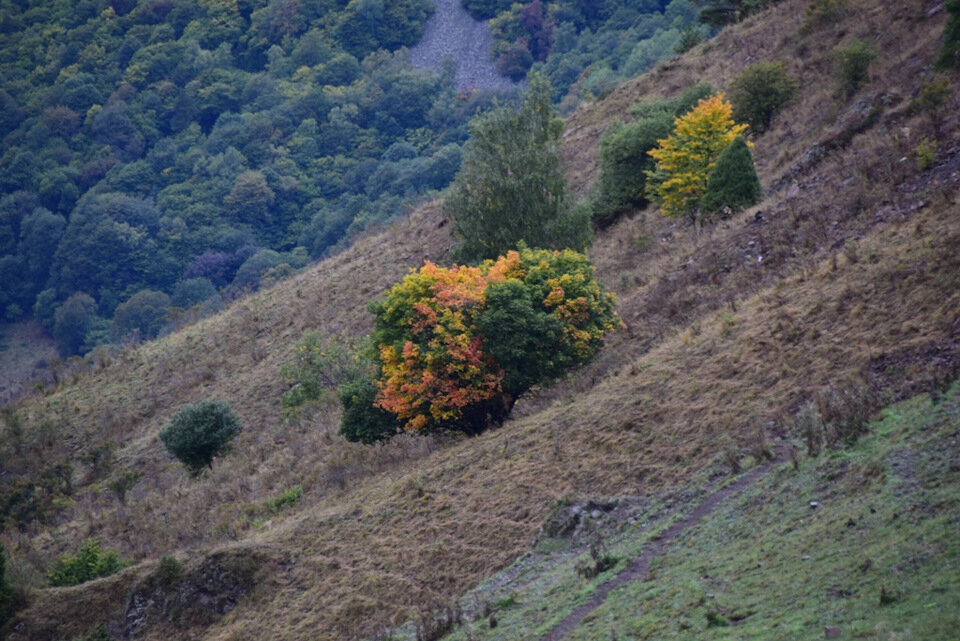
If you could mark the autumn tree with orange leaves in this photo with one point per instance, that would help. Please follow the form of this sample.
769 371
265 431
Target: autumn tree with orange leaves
455 347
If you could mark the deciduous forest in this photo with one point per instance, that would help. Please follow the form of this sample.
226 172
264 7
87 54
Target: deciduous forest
162 156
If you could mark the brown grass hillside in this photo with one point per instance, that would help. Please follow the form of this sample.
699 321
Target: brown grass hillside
843 284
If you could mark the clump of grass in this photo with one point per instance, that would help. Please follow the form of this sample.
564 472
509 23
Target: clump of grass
168 571
926 153
289 498
600 560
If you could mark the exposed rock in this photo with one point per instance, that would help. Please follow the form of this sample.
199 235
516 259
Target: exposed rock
577 521
453 32
199 597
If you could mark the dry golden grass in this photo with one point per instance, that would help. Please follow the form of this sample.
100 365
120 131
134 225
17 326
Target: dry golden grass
729 330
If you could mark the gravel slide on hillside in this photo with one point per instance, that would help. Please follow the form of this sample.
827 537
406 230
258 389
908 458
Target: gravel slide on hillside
451 31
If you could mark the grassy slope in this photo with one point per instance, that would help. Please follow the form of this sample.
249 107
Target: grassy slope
23 346
767 565
855 281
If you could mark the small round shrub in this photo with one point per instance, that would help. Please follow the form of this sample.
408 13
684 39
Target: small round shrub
199 432
168 571
89 563
851 64
760 92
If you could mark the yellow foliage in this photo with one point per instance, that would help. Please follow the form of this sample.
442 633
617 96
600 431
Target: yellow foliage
685 159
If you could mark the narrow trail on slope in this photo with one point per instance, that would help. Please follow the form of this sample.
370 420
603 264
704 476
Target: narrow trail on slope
639 569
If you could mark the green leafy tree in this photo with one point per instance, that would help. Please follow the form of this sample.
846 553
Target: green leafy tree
144 314
733 184
510 187
90 562
193 291
950 51
623 163
199 432
72 321
760 92
250 198
362 420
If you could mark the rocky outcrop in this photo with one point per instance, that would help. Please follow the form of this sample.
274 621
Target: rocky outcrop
197 598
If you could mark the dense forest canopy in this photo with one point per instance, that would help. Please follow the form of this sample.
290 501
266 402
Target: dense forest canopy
195 148
585 47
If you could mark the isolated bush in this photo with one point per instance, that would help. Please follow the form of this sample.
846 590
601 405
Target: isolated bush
510 186
950 51
89 563
122 483
926 153
320 366
760 92
686 158
168 571
933 99
197 433
851 65
690 37
733 184
456 347
822 12
623 161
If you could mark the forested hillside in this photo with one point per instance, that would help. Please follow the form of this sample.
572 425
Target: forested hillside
164 154
727 462
184 147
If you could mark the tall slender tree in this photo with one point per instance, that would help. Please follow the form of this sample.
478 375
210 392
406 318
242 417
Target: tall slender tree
511 186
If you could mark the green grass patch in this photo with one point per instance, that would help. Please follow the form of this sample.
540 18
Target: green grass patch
878 558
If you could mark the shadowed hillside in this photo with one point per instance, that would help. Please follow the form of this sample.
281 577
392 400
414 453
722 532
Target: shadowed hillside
841 289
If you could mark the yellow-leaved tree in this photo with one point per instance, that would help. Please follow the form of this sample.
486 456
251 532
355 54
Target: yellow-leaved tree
686 158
